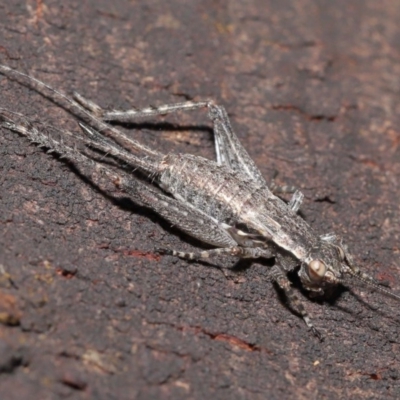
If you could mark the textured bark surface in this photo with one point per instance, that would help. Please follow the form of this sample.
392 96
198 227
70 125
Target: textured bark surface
88 310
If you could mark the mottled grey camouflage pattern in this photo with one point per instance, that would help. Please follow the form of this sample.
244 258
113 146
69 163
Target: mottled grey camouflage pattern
225 203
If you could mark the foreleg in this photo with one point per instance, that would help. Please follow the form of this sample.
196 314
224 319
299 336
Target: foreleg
278 275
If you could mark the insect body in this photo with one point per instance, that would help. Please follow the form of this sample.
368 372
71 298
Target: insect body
225 203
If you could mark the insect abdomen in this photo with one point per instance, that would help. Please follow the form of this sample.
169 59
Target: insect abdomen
209 187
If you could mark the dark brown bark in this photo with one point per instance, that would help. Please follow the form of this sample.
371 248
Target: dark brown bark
88 310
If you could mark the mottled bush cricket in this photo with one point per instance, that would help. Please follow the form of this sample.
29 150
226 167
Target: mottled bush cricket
225 203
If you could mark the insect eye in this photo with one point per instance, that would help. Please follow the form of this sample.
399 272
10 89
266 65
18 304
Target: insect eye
316 269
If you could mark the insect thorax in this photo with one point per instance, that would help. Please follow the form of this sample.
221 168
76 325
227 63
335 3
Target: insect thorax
232 198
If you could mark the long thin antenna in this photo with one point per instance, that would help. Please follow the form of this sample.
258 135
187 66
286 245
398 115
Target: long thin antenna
373 285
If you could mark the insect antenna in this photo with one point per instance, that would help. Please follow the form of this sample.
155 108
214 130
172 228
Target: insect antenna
366 280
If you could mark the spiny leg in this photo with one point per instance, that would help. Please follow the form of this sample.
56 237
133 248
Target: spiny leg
98 137
230 151
76 109
106 146
277 275
235 251
228 148
192 221
53 146
133 114
42 140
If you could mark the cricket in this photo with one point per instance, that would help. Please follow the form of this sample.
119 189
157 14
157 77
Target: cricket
225 203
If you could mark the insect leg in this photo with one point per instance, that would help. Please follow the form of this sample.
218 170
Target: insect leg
228 148
96 140
235 251
296 200
76 109
42 140
133 114
279 276
280 189
105 145
188 219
